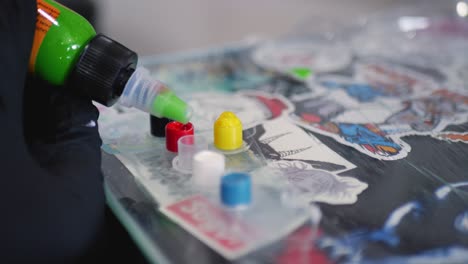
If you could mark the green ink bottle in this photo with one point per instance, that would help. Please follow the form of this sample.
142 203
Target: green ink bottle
67 51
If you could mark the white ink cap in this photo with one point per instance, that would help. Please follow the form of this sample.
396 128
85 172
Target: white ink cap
208 168
188 146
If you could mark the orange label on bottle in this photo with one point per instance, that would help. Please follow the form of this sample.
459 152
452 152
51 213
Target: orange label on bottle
46 17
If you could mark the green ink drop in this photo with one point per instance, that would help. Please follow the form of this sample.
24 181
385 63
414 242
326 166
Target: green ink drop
302 73
168 105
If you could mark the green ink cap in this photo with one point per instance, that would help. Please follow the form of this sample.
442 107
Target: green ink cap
168 105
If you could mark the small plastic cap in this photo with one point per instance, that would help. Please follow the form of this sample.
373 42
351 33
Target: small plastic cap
236 190
228 132
174 131
188 146
168 105
208 168
158 126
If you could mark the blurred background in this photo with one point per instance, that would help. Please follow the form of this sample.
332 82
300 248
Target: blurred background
152 27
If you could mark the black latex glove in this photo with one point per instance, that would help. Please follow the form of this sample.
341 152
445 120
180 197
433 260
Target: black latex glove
52 199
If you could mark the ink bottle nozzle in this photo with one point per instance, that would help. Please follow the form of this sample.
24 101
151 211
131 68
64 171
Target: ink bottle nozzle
152 96
107 72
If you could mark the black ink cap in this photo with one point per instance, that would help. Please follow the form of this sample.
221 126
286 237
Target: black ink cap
158 126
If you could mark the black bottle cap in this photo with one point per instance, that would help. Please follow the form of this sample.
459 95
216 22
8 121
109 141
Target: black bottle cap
158 126
103 69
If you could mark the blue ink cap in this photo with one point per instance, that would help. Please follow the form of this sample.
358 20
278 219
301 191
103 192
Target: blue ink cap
236 189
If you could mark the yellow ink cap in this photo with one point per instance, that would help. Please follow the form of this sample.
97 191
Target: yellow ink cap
228 132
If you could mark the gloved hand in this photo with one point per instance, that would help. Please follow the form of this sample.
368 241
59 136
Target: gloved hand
52 197
61 129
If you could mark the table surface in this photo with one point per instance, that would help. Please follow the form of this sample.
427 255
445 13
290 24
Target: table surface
420 188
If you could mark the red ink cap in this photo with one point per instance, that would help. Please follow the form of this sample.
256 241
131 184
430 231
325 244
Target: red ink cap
174 131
